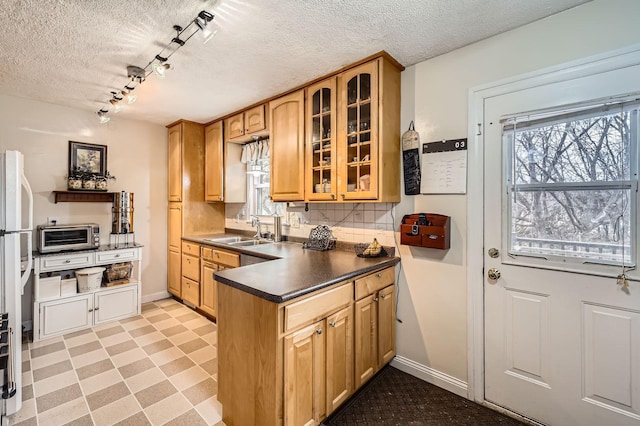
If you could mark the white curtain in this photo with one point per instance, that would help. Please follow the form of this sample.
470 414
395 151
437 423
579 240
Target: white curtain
255 151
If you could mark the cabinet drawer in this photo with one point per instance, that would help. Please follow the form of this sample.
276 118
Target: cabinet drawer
374 282
190 291
190 248
315 307
67 261
222 257
191 267
114 256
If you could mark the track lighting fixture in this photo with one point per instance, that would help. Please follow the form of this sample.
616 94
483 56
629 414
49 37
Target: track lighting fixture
158 65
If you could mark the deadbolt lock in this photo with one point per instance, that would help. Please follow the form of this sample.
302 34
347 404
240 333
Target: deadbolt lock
494 252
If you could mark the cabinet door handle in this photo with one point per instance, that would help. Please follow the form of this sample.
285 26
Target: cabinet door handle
90 310
342 195
319 331
117 255
332 323
383 295
67 261
375 299
96 309
379 275
333 196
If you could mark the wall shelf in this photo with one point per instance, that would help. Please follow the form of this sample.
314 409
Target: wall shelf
84 196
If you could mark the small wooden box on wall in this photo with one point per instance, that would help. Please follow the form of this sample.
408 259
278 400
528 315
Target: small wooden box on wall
426 230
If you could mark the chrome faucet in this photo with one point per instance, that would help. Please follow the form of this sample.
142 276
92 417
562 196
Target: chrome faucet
255 221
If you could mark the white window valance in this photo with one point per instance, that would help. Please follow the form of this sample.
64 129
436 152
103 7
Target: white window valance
255 151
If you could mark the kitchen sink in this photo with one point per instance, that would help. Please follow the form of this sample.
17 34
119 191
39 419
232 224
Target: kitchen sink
249 243
229 240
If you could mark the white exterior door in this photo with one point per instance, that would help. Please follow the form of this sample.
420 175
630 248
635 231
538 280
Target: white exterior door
562 337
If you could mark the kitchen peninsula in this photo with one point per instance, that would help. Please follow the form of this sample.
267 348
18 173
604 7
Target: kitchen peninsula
297 335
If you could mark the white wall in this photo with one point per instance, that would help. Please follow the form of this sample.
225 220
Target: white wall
136 155
433 288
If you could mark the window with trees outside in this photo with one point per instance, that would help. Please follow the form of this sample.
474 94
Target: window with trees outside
571 182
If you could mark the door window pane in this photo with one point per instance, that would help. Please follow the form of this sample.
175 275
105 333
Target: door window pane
571 182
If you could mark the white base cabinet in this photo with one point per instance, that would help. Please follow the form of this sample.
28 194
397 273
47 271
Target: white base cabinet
66 314
84 310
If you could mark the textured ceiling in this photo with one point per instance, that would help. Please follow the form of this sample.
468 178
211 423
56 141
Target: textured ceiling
74 52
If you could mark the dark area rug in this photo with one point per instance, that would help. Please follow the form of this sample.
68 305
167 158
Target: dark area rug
393 397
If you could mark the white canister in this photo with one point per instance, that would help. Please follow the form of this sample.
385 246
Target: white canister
89 279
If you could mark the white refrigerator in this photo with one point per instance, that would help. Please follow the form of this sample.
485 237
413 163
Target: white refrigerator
16 223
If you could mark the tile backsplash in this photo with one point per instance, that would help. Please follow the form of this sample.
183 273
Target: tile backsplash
350 222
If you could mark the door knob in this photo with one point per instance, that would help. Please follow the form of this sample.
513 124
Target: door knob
493 273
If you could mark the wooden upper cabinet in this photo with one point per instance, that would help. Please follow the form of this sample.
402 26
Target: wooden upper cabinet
243 125
368 141
214 164
287 147
175 163
358 133
235 126
186 162
320 128
254 120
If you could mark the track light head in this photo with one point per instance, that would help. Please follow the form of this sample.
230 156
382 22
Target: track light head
115 102
160 69
102 116
128 95
202 21
206 16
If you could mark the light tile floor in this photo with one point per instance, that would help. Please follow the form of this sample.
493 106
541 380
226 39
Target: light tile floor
153 369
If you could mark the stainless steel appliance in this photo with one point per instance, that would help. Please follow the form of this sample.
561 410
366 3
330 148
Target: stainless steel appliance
54 238
16 223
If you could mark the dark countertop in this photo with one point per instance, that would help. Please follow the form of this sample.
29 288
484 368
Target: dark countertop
294 271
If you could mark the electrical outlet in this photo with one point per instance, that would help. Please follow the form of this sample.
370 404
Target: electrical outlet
52 220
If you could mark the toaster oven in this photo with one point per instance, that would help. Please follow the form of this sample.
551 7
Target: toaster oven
55 238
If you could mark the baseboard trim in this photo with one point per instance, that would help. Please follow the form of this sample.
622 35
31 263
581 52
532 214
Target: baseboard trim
155 296
432 376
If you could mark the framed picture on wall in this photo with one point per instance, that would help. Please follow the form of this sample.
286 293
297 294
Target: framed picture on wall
87 157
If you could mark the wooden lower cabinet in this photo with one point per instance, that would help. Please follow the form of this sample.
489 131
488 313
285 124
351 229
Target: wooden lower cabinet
304 376
174 282
366 363
191 291
318 372
296 362
375 342
386 325
212 260
339 362
208 292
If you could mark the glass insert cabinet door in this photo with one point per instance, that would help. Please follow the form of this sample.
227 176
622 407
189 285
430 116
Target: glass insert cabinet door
321 141
358 133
